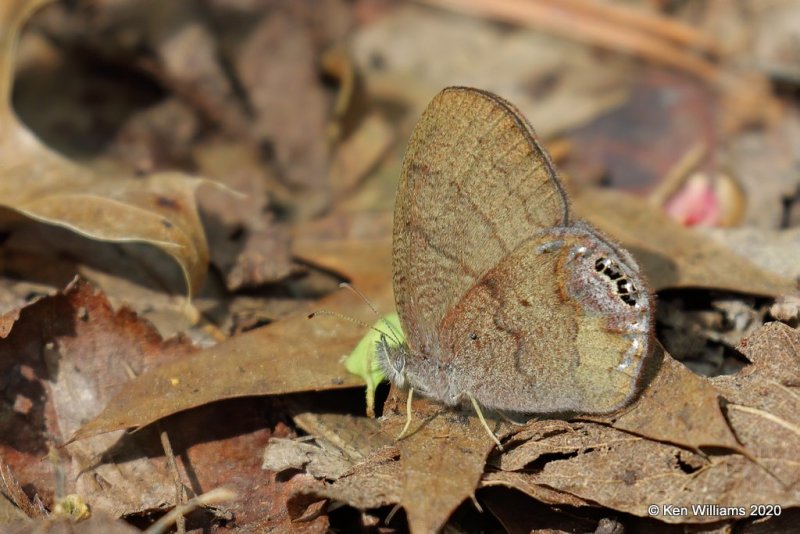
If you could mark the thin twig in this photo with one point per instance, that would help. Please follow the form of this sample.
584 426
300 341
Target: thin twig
180 496
214 496
678 174
580 21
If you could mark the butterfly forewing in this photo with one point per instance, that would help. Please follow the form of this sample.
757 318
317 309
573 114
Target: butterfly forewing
475 184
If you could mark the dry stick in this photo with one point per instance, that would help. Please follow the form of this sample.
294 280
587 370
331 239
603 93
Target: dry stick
652 23
589 29
180 521
214 496
678 174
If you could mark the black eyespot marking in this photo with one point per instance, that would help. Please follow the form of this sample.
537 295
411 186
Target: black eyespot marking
473 336
599 265
525 302
608 268
625 288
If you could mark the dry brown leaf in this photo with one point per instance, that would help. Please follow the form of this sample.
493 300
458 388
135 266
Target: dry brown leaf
626 473
97 524
678 407
7 321
188 60
355 436
566 85
777 251
439 464
762 401
291 107
356 155
670 255
131 275
63 359
442 458
219 445
629 473
373 483
246 244
626 467
293 355
440 461
355 244
158 209
73 352
317 459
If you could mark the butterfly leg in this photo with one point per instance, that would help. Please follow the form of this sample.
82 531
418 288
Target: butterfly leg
483 421
402 433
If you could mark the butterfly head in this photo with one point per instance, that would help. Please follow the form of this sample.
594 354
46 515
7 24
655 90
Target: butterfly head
392 361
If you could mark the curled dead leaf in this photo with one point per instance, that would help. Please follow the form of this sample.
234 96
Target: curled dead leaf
39 183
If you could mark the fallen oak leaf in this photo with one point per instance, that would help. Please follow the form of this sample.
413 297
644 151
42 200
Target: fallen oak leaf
678 407
614 469
373 483
290 356
430 472
67 354
670 255
40 184
762 401
294 355
441 461
355 244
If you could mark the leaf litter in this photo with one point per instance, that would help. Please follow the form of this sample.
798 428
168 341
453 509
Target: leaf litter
688 440
43 185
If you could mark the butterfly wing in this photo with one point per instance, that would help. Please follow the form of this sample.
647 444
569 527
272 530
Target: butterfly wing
475 184
562 324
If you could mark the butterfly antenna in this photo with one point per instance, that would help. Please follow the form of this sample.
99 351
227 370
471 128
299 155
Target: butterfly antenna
345 285
359 322
396 336
329 313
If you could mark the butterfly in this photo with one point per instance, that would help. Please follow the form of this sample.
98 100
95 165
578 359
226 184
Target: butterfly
505 299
